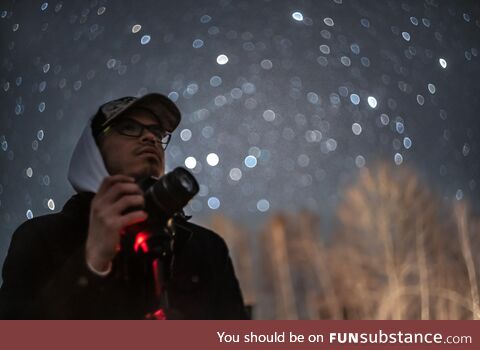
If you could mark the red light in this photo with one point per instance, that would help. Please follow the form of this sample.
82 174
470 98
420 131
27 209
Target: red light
160 315
141 242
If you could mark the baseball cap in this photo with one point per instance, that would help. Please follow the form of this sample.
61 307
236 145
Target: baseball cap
159 105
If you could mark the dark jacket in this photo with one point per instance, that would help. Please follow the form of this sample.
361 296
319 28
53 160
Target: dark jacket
45 274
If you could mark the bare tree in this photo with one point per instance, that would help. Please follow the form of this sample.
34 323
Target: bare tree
395 251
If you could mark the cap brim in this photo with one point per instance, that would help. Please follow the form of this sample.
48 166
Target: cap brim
161 107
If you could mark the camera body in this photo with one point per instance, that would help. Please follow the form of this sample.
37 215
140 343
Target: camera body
164 199
168 195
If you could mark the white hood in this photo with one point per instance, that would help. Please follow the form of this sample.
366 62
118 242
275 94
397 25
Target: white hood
87 169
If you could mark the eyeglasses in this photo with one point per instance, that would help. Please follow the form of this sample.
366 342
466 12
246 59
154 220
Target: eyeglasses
132 128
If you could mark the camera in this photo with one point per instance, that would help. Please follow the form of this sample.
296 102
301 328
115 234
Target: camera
147 248
165 199
168 195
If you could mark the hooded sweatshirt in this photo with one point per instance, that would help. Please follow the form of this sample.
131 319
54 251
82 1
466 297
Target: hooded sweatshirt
87 169
45 275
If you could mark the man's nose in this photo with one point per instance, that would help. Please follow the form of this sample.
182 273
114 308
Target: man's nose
149 136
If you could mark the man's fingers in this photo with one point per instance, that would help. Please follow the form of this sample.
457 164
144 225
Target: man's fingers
125 203
133 218
117 191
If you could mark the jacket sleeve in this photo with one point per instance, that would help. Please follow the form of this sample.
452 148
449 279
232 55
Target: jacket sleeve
34 287
75 292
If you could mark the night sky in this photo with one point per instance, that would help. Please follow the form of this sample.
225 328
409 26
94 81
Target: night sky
283 101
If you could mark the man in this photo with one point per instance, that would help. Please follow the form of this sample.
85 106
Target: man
70 265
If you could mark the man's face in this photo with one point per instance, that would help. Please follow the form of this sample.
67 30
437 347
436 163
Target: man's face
133 156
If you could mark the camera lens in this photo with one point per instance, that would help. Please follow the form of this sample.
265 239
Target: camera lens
186 182
172 191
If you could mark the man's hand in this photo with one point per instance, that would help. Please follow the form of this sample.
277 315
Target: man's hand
107 218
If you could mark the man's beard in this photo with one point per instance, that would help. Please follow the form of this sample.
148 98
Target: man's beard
151 169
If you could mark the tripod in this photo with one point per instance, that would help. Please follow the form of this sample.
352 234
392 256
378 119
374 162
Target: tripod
149 248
